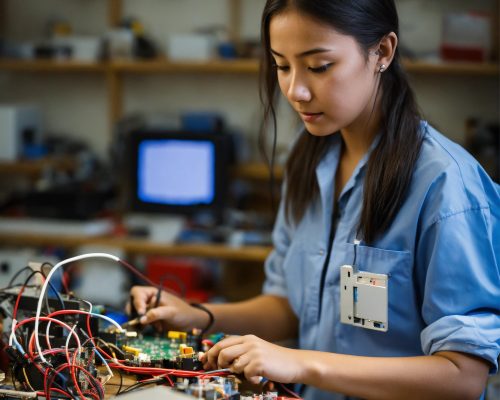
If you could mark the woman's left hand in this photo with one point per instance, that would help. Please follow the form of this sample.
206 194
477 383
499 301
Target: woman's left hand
255 358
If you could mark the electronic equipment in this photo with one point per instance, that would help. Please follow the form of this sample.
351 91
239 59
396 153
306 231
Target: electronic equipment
178 172
57 346
364 299
21 130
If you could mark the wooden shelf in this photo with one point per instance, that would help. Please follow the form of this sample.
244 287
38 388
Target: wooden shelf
249 171
256 254
51 66
33 168
452 68
243 66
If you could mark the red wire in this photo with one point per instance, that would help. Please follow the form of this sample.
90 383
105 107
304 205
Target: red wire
138 273
40 393
64 281
14 313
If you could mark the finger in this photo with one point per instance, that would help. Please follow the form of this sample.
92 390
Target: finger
254 371
141 297
158 314
228 355
213 353
254 380
239 363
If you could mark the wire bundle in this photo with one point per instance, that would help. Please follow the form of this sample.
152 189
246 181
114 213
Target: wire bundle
69 371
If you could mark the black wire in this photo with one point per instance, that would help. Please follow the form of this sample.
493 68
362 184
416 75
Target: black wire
158 297
136 386
121 382
51 382
51 286
172 278
13 377
11 282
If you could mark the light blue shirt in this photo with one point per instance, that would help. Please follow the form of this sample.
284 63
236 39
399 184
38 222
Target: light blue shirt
441 253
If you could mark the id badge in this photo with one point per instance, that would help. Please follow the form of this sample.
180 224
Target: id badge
363 299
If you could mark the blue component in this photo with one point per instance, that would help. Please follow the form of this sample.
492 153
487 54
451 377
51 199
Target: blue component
355 294
119 317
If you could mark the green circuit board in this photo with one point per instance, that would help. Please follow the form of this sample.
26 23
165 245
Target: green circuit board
157 348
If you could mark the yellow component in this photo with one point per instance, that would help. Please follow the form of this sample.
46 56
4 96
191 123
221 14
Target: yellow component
182 346
187 350
182 336
173 335
132 350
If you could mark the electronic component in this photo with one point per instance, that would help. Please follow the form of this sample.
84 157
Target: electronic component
178 350
363 299
56 348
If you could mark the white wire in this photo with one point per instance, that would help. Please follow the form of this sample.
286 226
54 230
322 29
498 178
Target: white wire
110 372
12 334
89 304
47 334
72 332
111 321
45 284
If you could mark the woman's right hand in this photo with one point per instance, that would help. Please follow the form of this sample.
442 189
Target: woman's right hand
172 312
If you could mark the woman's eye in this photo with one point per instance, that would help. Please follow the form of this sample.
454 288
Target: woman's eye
323 68
281 67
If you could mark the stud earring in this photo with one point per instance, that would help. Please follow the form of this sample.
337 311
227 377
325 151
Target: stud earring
382 68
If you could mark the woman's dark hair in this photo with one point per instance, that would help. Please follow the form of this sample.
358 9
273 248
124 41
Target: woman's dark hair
391 163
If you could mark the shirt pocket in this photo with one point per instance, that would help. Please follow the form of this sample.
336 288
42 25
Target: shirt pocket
402 336
397 265
382 261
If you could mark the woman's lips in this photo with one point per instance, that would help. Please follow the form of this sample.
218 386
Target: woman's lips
310 117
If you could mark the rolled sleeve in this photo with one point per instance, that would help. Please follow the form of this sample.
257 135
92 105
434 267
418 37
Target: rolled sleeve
473 334
461 296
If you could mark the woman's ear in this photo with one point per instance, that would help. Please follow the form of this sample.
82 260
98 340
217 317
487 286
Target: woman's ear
385 51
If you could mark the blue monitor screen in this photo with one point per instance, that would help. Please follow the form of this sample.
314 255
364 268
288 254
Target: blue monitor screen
176 172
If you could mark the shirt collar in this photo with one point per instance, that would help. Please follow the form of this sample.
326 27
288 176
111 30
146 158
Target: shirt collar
327 169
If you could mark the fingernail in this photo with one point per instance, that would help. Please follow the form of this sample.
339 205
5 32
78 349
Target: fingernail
143 319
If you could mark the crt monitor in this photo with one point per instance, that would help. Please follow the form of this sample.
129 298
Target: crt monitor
178 172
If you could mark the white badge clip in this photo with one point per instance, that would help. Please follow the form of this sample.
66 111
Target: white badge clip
363 299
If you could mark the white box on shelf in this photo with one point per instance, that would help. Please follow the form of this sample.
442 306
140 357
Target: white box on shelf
19 125
191 47
83 48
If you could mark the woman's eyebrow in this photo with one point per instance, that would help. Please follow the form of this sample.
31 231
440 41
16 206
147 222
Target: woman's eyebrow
304 53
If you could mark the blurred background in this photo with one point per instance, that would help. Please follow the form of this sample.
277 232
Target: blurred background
83 82
90 88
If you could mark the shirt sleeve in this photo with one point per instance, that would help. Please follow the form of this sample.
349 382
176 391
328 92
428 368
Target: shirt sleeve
458 258
275 282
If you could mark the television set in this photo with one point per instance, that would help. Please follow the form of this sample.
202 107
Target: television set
180 173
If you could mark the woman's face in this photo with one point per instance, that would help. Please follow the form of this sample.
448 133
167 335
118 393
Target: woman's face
323 74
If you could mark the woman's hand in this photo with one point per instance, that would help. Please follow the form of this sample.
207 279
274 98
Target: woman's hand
255 358
171 311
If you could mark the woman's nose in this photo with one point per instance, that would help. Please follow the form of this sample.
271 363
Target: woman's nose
298 90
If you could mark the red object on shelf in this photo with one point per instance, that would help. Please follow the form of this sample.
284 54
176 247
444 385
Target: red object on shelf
183 276
457 53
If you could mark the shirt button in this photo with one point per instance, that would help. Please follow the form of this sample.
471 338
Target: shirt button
321 252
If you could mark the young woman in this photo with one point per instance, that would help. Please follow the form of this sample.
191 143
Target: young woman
372 191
